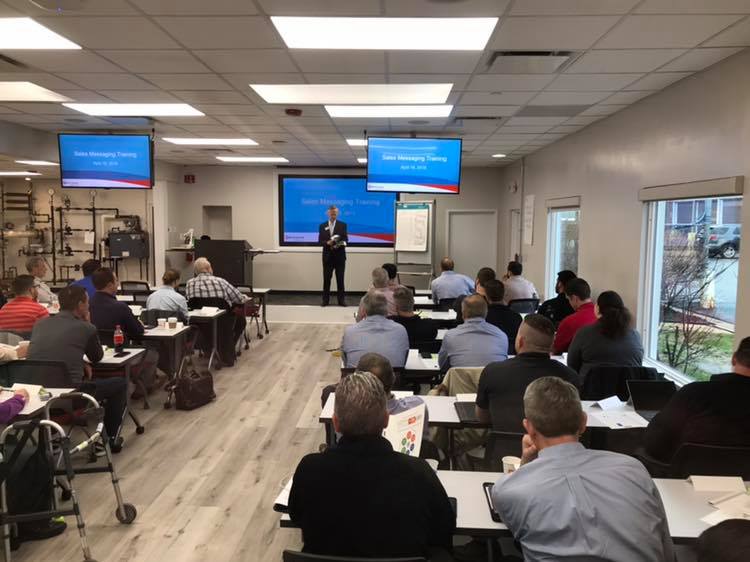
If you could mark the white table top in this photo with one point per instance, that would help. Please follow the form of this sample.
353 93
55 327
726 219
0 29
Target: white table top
165 333
200 314
423 292
110 359
415 362
438 314
125 298
420 300
441 334
256 290
471 505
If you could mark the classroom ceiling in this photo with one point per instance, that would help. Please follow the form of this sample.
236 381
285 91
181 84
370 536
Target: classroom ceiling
207 52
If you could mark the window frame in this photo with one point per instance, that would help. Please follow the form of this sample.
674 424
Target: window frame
552 246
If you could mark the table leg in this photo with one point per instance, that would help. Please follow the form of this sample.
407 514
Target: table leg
265 321
139 429
215 337
451 448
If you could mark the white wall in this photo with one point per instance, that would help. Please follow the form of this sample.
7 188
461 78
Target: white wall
253 194
697 129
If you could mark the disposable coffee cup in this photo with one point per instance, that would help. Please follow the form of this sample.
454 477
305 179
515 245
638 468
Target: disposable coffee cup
511 464
172 322
161 322
180 325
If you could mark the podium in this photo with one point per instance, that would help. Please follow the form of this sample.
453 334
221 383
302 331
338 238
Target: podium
230 259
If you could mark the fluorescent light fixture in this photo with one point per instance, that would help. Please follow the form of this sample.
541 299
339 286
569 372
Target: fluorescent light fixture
356 142
37 163
254 159
28 91
210 142
386 111
362 160
413 34
136 109
12 174
25 33
321 94
498 155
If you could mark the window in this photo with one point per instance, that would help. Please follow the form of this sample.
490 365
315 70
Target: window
691 284
562 245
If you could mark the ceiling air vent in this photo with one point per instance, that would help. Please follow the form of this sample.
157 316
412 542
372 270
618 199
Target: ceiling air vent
530 62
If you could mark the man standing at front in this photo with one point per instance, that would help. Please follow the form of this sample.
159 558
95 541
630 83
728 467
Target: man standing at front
333 237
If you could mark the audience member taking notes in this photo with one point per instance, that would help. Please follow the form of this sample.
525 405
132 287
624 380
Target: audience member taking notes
516 285
450 285
569 503
375 334
475 343
22 312
558 308
714 412
362 498
419 330
578 293
610 341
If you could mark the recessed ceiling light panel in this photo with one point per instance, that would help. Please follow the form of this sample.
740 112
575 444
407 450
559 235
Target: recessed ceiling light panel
388 111
28 91
210 142
254 159
37 163
25 33
356 142
413 34
499 155
362 160
19 174
335 94
136 109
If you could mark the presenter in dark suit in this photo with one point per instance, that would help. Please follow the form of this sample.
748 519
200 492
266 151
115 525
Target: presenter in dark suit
332 235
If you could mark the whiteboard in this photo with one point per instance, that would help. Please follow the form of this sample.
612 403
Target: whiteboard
412 228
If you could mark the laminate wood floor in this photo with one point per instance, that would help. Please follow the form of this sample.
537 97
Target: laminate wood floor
204 481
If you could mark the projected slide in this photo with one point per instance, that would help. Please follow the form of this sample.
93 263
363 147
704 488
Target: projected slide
414 165
303 202
109 161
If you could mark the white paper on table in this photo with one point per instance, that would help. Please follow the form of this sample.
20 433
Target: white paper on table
405 430
621 420
34 402
608 403
738 505
717 483
402 393
282 500
716 517
466 397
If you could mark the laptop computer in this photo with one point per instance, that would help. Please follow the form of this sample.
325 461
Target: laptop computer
467 412
649 397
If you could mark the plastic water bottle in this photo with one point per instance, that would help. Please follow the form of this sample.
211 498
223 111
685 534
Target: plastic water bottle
119 339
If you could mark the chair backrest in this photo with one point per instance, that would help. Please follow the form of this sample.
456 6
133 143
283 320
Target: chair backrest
398 371
462 380
10 338
199 302
524 306
445 304
138 286
432 346
710 460
292 556
50 374
607 380
499 445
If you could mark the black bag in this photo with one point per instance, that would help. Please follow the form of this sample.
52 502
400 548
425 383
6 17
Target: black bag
193 390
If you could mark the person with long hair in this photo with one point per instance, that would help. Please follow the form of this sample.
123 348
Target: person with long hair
610 341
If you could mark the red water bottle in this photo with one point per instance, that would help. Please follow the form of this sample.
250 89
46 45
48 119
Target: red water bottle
119 339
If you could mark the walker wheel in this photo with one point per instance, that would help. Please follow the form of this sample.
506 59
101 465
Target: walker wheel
66 495
167 405
130 513
260 336
140 430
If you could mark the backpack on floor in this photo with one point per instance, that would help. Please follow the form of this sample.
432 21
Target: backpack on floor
194 389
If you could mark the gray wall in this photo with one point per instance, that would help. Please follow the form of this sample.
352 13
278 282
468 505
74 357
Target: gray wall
697 129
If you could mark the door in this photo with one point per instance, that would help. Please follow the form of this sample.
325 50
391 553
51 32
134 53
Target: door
472 240
515 235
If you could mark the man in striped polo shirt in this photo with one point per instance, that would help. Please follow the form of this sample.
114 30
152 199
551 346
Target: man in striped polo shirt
22 312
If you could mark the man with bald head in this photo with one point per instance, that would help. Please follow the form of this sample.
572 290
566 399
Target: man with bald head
475 343
450 285
502 384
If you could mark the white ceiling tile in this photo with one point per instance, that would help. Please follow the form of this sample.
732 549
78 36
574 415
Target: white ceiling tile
196 7
229 109
139 96
736 36
510 82
97 8
551 136
568 98
536 33
500 98
315 78
571 7
48 81
235 32
111 32
664 32
185 120
634 60
209 96
694 7
412 62
657 80
187 81
500 136
208 129
551 121
698 59
244 119
24 119
627 97
242 81
251 60
108 81
509 129
325 61
603 109
65 61
156 61
320 7
87 96
583 120
459 81
42 108
6 110
592 82
485 110
420 8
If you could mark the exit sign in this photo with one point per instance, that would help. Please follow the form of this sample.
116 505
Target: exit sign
189 178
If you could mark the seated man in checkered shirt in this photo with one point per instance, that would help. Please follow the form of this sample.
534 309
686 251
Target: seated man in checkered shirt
206 285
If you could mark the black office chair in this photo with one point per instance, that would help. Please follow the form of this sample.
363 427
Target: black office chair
292 556
151 316
710 460
432 346
602 382
499 445
445 304
133 287
524 306
11 338
49 374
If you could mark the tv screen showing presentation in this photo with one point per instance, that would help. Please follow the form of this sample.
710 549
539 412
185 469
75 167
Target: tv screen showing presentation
304 200
106 161
413 165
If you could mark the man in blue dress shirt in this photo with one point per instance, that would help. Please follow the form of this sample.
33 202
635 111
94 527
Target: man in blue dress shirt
566 502
476 342
87 281
375 334
450 285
